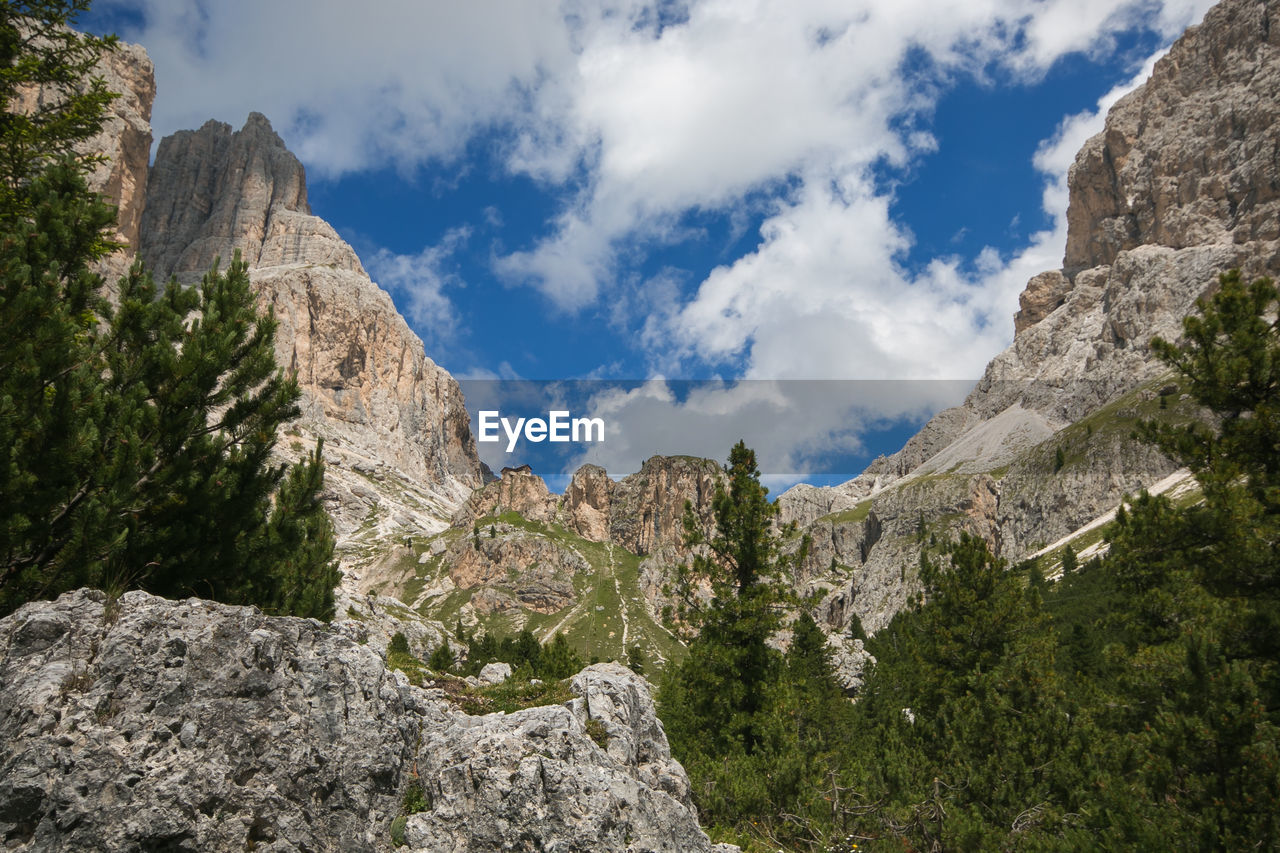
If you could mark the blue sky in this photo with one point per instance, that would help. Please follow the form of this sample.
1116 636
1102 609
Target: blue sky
627 190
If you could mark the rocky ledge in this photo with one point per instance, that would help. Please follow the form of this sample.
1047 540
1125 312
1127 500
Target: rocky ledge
148 724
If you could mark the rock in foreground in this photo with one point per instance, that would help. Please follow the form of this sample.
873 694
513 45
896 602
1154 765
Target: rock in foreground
149 724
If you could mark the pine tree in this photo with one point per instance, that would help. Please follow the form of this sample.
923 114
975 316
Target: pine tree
52 405
731 669
963 720
135 442
52 101
1191 698
441 659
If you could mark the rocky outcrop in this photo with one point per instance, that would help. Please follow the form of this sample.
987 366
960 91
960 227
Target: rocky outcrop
516 568
187 725
518 490
646 510
1188 159
144 724
643 512
123 145
536 780
588 503
372 620
125 139
398 441
532 571
804 504
1043 295
215 191
1182 184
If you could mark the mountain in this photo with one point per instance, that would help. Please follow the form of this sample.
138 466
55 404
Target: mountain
1183 183
591 564
398 442
141 723
1180 186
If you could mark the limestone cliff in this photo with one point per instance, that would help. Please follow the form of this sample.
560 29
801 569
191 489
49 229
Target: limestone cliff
643 512
146 724
398 442
397 435
123 144
1182 184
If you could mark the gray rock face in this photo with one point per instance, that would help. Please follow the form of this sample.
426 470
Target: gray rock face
215 190
495 673
804 504
186 725
537 780
1189 158
398 438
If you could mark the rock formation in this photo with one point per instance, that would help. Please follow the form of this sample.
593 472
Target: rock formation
643 512
526 570
123 143
646 510
147 724
1182 184
398 441
125 139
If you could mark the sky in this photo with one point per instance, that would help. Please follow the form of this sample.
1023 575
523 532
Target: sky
752 195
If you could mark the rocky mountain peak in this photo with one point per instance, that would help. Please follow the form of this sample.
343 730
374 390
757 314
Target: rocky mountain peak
517 490
214 191
647 509
1187 159
400 452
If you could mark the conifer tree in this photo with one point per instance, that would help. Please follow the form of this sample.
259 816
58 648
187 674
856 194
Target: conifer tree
731 669
1192 696
441 659
135 442
964 722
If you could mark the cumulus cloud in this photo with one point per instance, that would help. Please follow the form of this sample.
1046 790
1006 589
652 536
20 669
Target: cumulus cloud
795 427
826 274
742 98
352 86
638 114
419 281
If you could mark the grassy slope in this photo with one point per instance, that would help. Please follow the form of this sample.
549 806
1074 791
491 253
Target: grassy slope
607 618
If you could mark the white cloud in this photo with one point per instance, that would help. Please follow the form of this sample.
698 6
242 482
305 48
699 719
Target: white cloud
790 425
822 295
643 122
352 85
748 96
419 280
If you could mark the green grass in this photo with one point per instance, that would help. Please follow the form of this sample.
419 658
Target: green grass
510 696
851 515
409 665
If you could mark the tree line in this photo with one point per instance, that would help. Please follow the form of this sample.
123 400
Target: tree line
1132 704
